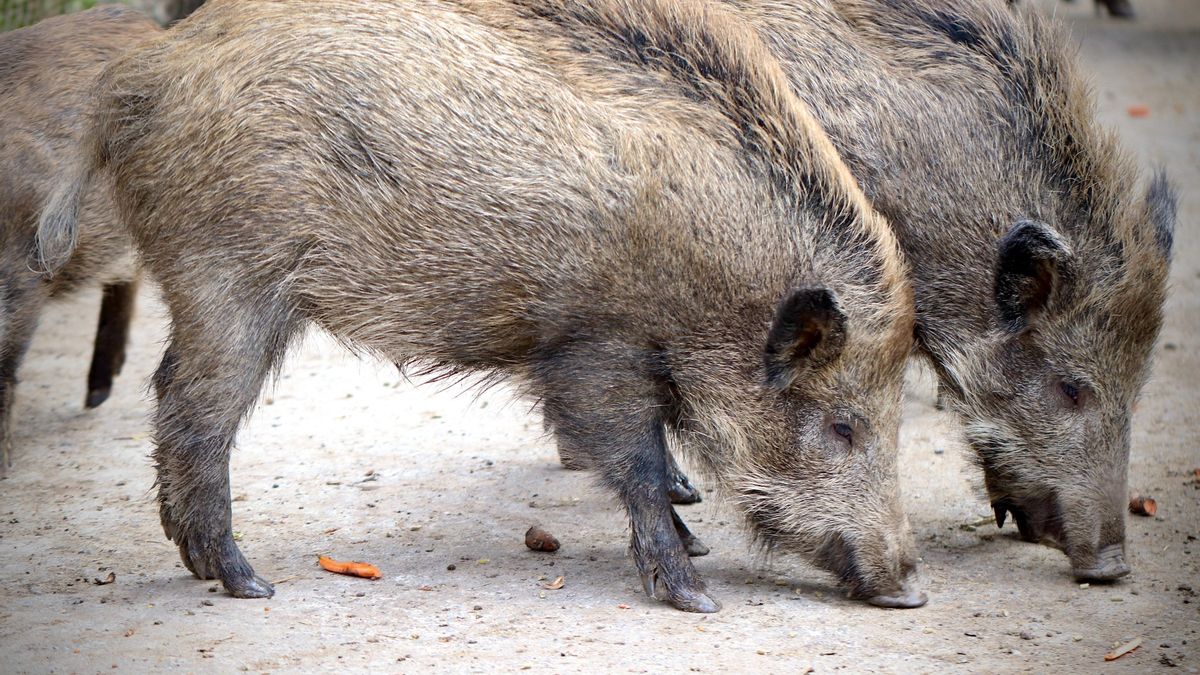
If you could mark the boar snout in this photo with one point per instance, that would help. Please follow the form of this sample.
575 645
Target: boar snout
1095 543
908 598
1108 565
881 578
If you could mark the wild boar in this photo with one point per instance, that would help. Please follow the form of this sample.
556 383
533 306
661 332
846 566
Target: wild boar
1039 267
652 237
46 75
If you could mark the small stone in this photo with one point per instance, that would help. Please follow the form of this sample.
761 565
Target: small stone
1026 635
537 539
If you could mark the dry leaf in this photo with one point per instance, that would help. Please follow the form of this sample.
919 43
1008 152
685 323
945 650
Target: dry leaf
554 585
1123 649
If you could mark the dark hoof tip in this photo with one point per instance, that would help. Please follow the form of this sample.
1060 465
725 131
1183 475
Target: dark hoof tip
681 493
696 548
249 587
97 396
906 600
699 603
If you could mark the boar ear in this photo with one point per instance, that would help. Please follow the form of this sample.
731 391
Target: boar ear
809 329
1162 206
1029 266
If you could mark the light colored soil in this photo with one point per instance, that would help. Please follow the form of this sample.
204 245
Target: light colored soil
347 459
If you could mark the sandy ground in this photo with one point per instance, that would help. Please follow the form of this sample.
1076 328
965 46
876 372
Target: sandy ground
437 487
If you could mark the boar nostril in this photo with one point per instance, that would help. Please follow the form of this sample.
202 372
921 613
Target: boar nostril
1109 565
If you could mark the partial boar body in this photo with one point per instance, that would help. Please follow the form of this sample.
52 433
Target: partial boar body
1039 267
650 234
46 75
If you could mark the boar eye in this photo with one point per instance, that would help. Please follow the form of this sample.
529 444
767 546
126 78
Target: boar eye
1070 391
844 430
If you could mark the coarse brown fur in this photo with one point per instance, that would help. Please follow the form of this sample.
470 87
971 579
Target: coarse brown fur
663 245
1039 268
46 75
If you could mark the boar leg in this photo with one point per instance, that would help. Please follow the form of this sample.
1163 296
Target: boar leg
626 444
211 374
20 305
116 311
572 459
695 547
661 557
679 487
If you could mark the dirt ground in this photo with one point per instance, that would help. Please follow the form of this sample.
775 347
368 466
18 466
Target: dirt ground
437 487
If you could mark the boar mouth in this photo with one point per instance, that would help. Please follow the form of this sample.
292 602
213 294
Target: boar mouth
1038 519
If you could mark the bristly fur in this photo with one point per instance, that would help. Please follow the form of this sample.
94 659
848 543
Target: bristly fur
46 76
962 118
610 202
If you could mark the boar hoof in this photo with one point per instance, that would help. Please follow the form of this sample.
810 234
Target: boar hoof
695 547
251 586
1109 565
686 599
222 560
682 491
904 600
97 396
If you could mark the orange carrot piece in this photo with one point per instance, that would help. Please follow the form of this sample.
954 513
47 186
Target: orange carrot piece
354 569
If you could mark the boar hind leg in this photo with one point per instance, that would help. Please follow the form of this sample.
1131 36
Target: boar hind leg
679 488
571 458
20 305
116 312
695 548
217 360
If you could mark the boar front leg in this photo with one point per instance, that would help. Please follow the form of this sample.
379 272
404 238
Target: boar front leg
214 367
679 487
661 555
108 357
612 419
21 303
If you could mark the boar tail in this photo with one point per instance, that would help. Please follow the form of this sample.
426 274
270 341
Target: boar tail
58 225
